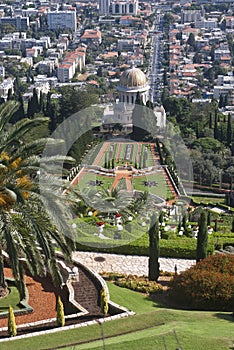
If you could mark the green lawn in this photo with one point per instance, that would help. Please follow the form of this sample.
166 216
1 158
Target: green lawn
162 189
152 325
84 182
12 299
208 200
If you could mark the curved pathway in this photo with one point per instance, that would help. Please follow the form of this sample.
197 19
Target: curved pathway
129 264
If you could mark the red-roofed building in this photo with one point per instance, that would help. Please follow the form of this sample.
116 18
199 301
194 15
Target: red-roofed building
93 36
73 60
127 20
65 72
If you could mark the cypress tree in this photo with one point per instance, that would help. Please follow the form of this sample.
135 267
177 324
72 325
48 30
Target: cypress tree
60 313
159 151
216 131
185 224
197 130
221 101
9 95
150 104
160 219
229 130
139 100
12 331
202 237
41 102
30 112
136 163
232 225
179 226
208 218
104 302
105 162
139 118
210 121
154 249
35 102
221 134
16 86
19 114
28 79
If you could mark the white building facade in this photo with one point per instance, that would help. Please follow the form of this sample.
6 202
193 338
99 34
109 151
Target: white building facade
62 19
124 7
104 7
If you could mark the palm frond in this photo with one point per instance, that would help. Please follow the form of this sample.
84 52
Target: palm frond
6 111
18 130
11 246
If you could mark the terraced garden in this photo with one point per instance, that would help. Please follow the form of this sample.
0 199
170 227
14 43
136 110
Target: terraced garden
132 153
120 154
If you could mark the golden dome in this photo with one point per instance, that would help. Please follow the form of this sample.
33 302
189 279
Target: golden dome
133 77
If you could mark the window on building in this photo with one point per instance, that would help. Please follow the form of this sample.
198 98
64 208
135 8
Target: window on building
116 8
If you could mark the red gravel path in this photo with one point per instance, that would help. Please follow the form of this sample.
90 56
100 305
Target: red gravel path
100 154
41 297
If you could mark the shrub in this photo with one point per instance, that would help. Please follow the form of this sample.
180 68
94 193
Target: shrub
139 284
104 302
209 285
11 323
60 313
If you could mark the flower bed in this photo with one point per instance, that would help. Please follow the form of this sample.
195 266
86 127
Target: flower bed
138 284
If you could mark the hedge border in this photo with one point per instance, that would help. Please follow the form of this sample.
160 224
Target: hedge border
27 309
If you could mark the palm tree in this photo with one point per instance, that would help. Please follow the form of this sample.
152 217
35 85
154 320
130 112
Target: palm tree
27 232
107 202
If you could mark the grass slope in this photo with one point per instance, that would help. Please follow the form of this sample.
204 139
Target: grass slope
195 329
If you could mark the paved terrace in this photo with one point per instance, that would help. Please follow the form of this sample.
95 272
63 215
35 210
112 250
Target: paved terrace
129 264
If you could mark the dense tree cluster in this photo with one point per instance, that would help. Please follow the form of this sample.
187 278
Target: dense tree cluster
209 285
209 136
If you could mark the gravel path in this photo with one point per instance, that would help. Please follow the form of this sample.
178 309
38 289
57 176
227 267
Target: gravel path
129 264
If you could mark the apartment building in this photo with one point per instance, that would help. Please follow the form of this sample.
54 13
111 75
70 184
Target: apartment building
20 23
62 20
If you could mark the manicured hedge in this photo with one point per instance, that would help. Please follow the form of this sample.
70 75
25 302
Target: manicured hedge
184 248
209 285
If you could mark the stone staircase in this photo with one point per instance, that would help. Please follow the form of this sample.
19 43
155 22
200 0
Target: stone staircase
87 291
82 291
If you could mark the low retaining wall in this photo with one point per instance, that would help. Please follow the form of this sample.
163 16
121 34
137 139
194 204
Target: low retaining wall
122 311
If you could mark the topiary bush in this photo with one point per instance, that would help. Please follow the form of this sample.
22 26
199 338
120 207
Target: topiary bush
12 330
60 313
209 285
104 302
